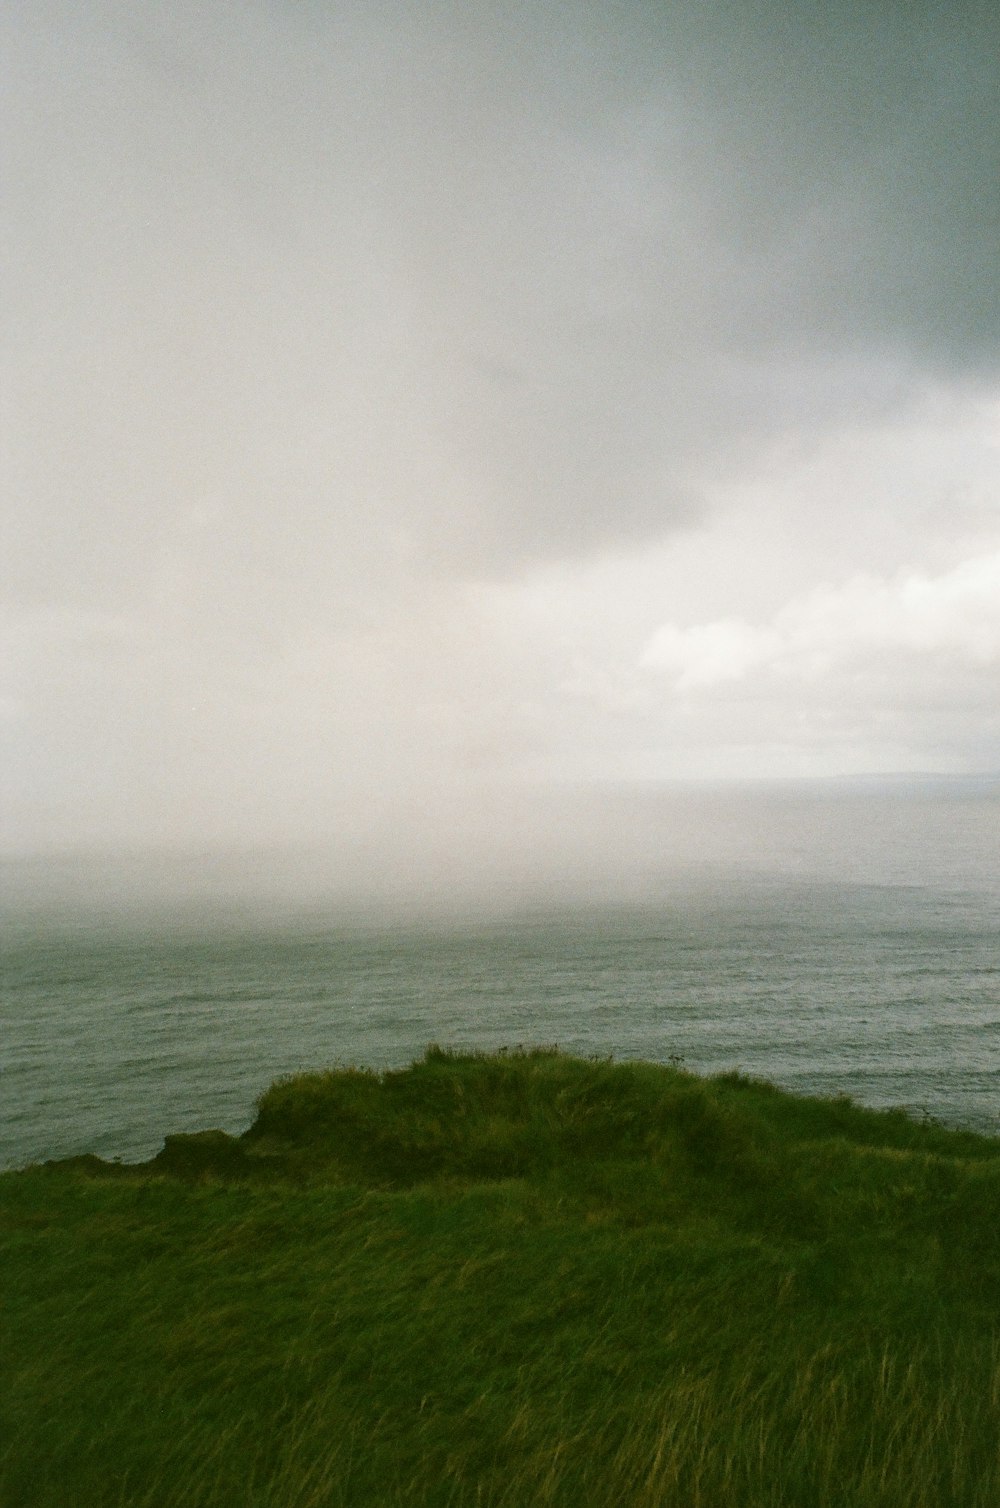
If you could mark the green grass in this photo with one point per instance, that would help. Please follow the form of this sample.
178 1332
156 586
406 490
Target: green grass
511 1280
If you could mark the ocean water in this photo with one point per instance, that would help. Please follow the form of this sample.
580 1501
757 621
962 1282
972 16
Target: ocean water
119 1029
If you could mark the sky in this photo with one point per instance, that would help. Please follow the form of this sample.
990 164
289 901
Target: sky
417 415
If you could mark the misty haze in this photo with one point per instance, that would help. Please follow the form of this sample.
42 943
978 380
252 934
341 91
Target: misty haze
525 474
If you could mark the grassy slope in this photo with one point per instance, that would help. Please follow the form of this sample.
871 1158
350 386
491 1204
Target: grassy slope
511 1280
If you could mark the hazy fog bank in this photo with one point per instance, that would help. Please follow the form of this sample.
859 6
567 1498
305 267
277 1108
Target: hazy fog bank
554 848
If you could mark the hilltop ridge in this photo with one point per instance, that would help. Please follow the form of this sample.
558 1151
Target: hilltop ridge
507 1279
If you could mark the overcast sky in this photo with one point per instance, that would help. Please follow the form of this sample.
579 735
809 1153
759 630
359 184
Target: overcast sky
408 406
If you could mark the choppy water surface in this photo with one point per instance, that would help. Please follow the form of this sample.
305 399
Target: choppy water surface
114 1034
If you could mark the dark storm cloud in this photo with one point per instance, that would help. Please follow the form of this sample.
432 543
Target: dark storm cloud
679 234
508 283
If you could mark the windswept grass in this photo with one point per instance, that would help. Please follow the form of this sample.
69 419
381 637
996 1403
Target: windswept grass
511 1280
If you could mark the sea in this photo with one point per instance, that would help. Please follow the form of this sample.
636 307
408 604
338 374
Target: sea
877 977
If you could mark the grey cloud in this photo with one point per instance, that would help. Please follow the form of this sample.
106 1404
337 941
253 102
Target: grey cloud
276 251
688 256
322 319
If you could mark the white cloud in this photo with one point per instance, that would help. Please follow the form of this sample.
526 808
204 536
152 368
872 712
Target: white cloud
955 614
707 653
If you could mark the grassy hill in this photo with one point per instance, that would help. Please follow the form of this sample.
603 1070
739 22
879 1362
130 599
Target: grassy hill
517 1279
